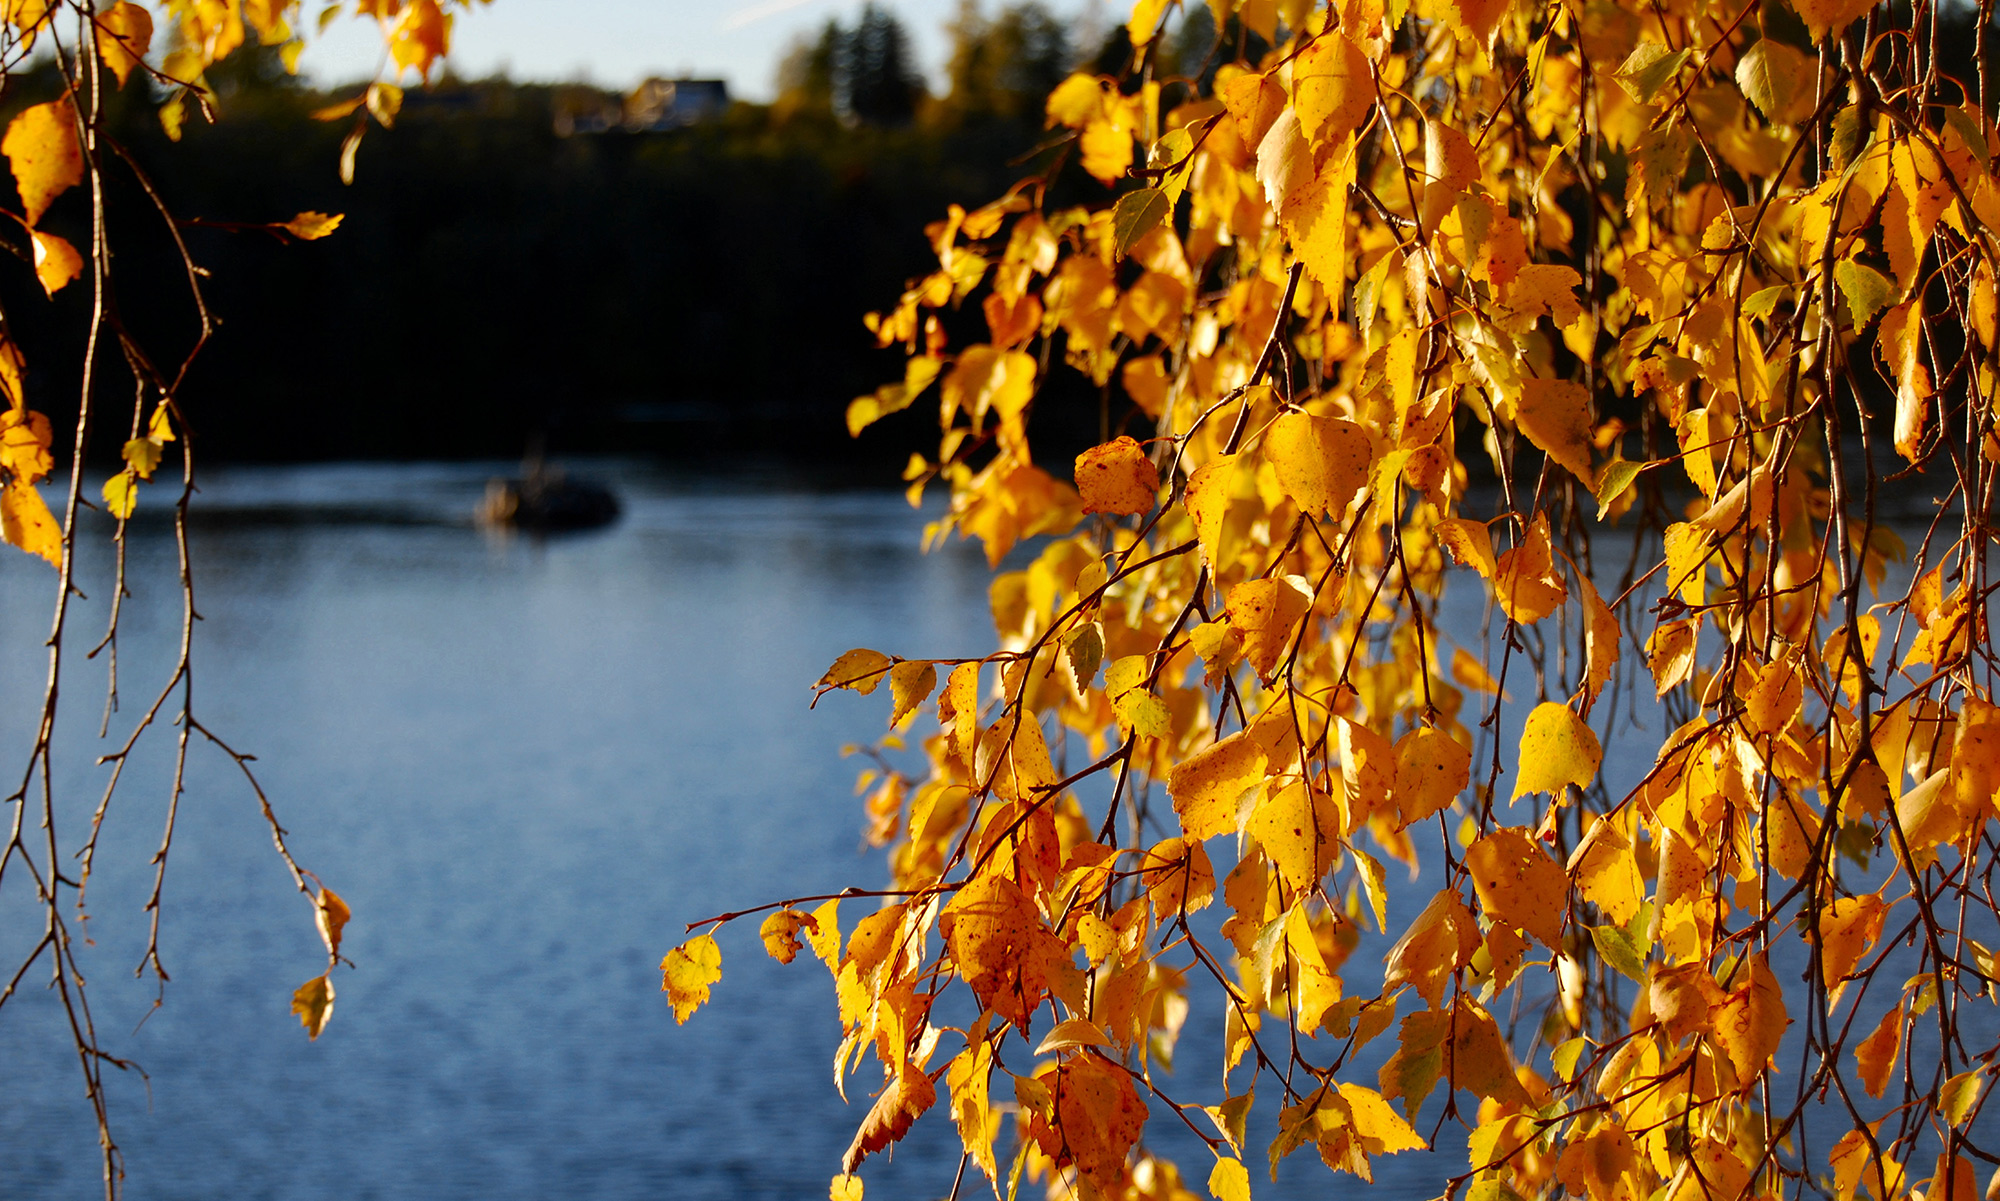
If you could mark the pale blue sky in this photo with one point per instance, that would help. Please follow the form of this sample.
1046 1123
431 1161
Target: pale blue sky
616 43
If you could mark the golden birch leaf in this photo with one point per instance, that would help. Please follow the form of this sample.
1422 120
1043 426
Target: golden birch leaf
1826 16
1418 1064
823 935
1866 290
41 146
969 1080
1000 947
1957 1096
958 709
1207 500
1438 943
124 34
1072 1035
1600 642
1606 872
1778 80
845 1187
1368 761
686 973
1477 1058
1333 88
1555 415
1101 1117
780 933
1315 213
331 915
311 226
1229 1180
1145 20
1752 1023
1107 150
56 261
1847 930
1432 768
420 36
1471 543
1525 580
26 522
1557 748
1685 999
1117 477
1381 1131
143 455
1075 100
1670 653
910 684
1177 877
861 669
1900 345
313 1003
1321 462
1207 788
1254 101
1519 885
121 495
900 1104
1266 611
1299 829
1877 1053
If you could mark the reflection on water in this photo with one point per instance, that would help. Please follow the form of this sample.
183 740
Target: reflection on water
525 765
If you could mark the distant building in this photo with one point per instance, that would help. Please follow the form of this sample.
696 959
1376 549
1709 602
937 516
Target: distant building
655 105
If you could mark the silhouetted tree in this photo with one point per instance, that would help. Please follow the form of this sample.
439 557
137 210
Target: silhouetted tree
875 82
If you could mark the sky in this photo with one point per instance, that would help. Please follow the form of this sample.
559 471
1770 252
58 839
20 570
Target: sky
616 43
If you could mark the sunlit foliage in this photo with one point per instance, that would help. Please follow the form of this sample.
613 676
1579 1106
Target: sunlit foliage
1619 320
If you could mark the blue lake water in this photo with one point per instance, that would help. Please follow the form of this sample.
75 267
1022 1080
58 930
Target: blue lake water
525 764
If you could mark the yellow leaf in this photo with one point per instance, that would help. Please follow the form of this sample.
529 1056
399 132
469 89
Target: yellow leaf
1470 672
1266 612
1000 947
845 1187
1557 748
1437 944
1432 768
1207 500
420 36
1145 20
1471 543
1117 477
1229 1180
1607 873
41 146
143 456
1519 885
780 933
1684 998
1525 580
1877 1053
26 522
331 915
1299 829
1099 1116
1847 931
1478 20
1333 88
1670 653
1825 16
1321 462
121 494
56 261
1178 877
1208 787
910 685
900 1104
861 669
313 1003
1600 641
968 1078
1957 1096
686 973
1476 1056
24 444
1752 1023
1418 1063
1555 415
311 226
1381 1131
124 33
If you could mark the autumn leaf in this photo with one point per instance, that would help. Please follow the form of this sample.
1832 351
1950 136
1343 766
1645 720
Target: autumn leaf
312 1002
902 1101
1000 947
911 683
121 494
310 226
1555 415
1525 580
1876 1054
845 1187
1518 884
1322 462
780 933
686 973
1117 477
26 522
123 35
331 915
1100 1117
56 261
1208 787
41 147
1438 943
1752 1021
1557 748
861 669
1267 611
1432 768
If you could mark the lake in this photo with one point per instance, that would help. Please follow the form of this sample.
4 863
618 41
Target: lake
525 764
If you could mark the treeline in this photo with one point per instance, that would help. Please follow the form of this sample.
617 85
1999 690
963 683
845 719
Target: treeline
695 291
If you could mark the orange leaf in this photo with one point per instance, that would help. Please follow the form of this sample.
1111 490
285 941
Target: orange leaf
1752 1023
1877 1053
1117 477
1001 948
41 146
56 261
313 1003
1266 611
901 1103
